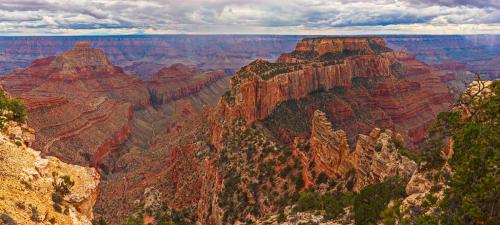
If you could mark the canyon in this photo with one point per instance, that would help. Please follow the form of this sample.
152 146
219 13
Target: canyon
186 142
79 100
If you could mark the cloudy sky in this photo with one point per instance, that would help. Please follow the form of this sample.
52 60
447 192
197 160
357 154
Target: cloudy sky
100 17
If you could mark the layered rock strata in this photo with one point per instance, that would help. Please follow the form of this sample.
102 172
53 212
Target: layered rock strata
178 81
330 148
394 89
374 158
78 101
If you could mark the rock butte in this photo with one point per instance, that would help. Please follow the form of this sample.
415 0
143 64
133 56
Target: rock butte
404 94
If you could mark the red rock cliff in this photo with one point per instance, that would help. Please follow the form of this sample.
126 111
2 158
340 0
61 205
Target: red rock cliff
398 91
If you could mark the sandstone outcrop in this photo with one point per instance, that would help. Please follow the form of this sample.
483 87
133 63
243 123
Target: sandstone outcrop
374 158
261 85
314 217
26 183
329 148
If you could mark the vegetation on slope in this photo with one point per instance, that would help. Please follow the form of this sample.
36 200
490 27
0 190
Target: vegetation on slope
259 175
473 195
373 199
292 118
472 191
11 109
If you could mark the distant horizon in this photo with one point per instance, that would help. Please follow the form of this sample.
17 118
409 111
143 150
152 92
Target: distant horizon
237 34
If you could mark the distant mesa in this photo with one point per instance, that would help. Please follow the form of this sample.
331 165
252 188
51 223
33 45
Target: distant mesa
177 70
83 44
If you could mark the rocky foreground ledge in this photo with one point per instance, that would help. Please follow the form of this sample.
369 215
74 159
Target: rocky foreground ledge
32 187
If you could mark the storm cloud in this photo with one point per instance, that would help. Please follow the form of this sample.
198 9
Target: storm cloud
60 17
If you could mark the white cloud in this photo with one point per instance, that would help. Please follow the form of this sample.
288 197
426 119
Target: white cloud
34 17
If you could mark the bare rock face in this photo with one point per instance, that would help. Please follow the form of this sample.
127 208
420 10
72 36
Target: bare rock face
26 184
316 64
375 158
330 147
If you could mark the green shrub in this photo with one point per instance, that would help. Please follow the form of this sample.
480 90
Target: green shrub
101 221
338 90
410 155
14 106
135 220
309 201
359 82
322 178
317 91
333 204
57 197
35 215
426 220
57 208
6 219
284 173
370 201
62 184
20 205
472 196
299 182
281 217
393 215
